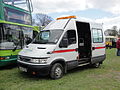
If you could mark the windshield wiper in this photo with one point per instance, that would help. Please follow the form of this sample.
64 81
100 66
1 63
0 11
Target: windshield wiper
16 45
51 42
37 42
40 42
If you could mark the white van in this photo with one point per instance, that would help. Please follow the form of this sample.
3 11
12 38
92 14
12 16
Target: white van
63 45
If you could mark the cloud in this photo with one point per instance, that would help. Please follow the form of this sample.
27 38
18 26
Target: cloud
109 22
61 6
111 6
51 6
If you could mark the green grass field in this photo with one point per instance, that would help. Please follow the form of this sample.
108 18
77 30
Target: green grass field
107 77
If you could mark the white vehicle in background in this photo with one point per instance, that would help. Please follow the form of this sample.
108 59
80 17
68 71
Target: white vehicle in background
62 45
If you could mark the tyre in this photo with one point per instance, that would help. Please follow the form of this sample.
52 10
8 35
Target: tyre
56 71
96 65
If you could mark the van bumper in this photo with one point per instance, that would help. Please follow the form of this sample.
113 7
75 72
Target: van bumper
98 59
35 69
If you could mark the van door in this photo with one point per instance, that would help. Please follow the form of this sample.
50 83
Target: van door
98 45
67 48
84 41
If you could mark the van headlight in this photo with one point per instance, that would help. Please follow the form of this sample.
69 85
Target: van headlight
40 61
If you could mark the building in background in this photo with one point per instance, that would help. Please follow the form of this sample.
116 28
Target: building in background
111 36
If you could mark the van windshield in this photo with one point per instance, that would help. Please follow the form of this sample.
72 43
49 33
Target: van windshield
48 37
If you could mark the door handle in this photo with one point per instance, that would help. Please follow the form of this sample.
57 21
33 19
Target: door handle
93 48
76 49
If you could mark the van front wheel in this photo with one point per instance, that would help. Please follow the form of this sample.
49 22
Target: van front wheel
56 71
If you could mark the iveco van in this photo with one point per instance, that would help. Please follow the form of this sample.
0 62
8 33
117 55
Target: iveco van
62 45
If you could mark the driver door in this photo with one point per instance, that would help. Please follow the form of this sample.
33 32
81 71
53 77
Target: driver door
67 46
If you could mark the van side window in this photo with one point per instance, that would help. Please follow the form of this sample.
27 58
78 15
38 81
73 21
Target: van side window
68 39
64 41
97 35
71 37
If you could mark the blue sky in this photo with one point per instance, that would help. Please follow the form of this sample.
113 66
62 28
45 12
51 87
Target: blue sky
100 11
89 13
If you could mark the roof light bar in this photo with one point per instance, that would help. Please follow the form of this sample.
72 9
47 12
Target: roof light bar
66 17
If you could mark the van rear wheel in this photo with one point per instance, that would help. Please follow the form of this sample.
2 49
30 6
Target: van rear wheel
56 71
96 65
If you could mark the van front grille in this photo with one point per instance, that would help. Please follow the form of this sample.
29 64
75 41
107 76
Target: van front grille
25 59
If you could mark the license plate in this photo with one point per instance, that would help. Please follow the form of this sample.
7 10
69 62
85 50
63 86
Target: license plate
23 69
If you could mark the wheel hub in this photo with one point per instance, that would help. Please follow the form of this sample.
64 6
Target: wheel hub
58 71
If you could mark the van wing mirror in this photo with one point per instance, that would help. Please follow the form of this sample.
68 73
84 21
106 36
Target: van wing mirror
63 43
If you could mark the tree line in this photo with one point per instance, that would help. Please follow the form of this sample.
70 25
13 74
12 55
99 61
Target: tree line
114 31
40 19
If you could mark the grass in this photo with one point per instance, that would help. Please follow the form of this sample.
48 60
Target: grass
107 77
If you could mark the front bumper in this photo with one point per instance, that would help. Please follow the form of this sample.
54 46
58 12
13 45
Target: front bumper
37 69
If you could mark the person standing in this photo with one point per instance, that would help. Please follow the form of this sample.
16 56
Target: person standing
118 47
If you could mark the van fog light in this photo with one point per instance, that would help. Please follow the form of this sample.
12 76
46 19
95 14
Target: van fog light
41 61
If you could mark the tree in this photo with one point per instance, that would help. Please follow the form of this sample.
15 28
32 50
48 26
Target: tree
41 19
112 32
119 31
114 28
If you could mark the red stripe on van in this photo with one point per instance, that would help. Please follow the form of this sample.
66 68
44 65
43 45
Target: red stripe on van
63 51
72 50
99 47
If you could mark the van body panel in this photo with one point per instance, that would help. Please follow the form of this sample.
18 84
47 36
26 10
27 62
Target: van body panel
66 53
37 50
98 46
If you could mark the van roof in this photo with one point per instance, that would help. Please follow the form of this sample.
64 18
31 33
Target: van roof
60 24
57 24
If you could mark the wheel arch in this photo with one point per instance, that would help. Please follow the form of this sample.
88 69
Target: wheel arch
62 62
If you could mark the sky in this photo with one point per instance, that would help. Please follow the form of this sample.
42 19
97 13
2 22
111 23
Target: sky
100 11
